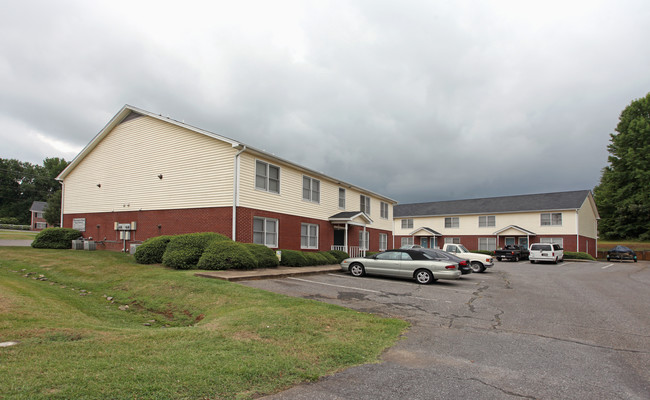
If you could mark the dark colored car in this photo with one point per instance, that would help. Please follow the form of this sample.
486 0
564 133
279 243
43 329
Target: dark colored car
621 253
512 252
463 265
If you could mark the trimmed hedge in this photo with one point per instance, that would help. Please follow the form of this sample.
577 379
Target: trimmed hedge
226 255
293 258
572 255
184 251
314 258
151 250
329 257
339 255
55 238
264 256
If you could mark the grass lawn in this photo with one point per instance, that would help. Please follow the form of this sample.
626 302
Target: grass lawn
6 234
181 336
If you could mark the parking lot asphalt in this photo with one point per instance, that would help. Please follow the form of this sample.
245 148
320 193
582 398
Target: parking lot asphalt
574 330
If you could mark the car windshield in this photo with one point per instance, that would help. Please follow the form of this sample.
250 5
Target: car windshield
462 248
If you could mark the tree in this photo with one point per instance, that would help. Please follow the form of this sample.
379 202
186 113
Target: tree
623 195
52 213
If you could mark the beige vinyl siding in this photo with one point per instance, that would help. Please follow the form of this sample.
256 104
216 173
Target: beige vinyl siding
468 224
290 201
587 222
197 170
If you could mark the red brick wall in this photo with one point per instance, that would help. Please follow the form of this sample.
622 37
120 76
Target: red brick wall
100 226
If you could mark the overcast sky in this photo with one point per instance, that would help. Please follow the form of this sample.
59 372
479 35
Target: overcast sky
417 100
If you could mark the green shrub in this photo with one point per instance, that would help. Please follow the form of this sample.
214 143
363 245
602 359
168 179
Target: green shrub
184 251
151 250
314 258
264 256
486 252
55 238
572 255
328 257
371 253
339 255
226 255
293 258
9 221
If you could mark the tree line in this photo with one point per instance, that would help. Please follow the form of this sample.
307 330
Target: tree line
22 183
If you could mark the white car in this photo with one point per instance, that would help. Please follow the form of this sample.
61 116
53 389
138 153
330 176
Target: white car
552 252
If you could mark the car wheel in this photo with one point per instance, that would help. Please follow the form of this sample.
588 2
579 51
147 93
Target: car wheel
532 261
477 267
423 276
357 270
555 262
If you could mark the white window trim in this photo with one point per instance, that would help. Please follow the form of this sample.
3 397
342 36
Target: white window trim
452 240
264 233
311 189
364 240
361 196
383 206
451 220
383 241
487 221
487 243
342 190
550 219
549 240
406 224
308 226
268 165
406 240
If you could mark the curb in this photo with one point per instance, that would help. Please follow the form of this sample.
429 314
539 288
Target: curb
267 273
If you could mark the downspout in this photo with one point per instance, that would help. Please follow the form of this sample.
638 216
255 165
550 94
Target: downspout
577 231
62 197
235 189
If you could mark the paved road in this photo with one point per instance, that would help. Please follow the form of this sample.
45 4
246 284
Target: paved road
571 331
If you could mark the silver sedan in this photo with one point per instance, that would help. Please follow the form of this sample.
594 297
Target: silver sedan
412 264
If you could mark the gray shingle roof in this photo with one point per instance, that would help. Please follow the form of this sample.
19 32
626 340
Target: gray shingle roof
38 206
521 203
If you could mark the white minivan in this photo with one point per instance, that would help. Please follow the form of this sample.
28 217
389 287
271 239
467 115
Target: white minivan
546 252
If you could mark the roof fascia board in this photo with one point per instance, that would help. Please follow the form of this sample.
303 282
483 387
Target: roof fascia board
483 213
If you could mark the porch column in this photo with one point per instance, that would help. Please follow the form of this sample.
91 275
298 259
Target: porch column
345 241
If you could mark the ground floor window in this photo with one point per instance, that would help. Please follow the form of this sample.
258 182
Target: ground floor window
407 241
309 236
41 225
364 240
453 240
383 241
265 231
559 241
488 244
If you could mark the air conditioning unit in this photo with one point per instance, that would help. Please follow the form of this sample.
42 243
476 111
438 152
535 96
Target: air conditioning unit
133 247
77 245
89 245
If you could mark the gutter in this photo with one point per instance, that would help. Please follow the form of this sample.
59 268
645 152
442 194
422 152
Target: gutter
235 200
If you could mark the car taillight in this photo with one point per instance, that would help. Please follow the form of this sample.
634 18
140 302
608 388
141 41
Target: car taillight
463 263
450 267
512 253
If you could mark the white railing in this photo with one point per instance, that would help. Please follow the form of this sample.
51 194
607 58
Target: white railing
353 251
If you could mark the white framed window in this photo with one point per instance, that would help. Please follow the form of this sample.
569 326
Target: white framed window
384 210
364 240
265 231
485 221
267 177
452 240
41 225
407 241
488 243
452 222
559 241
510 241
407 223
383 241
308 236
310 189
551 219
364 204
342 198
39 215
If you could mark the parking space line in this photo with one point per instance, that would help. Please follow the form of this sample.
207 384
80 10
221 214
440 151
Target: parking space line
364 290
607 266
410 284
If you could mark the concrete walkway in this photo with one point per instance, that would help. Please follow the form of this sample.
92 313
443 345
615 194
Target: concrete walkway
21 243
267 273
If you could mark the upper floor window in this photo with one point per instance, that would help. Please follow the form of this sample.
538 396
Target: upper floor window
548 219
310 189
342 198
267 177
485 221
364 204
452 222
407 223
384 210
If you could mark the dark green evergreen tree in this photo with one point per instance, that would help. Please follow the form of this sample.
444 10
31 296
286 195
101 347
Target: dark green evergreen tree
623 195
